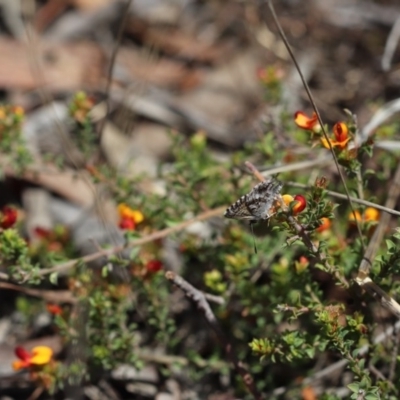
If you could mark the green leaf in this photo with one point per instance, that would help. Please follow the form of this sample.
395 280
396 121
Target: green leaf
53 278
104 271
310 352
390 245
171 224
354 387
372 396
397 234
134 253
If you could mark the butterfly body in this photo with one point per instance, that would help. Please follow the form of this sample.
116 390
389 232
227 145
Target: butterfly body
256 205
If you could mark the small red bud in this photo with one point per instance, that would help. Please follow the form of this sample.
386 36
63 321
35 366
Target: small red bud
127 224
154 266
9 217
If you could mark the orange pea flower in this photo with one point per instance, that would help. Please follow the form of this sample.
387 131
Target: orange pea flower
18 111
371 214
129 218
262 74
341 133
300 205
37 357
18 115
304 260
81 105
303 121
54 309
300 202
356 216
325 225
301 264
8 217
52 239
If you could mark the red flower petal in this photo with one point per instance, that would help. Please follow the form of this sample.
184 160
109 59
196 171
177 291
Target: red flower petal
54 309
300 205
127 224
305 122
154 266
9 217
341 131
42 232
22 353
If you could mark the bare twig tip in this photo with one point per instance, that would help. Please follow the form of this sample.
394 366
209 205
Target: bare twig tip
170 275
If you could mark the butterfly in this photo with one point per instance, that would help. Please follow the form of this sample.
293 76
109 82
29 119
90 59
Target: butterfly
256 205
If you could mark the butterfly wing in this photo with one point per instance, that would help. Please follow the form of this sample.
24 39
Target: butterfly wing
262 197
239 209
256 204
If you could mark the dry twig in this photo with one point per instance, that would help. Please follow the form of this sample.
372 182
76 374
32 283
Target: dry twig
63 267
52 296
390 47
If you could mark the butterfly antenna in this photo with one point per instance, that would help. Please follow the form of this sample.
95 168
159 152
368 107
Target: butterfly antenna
254 239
